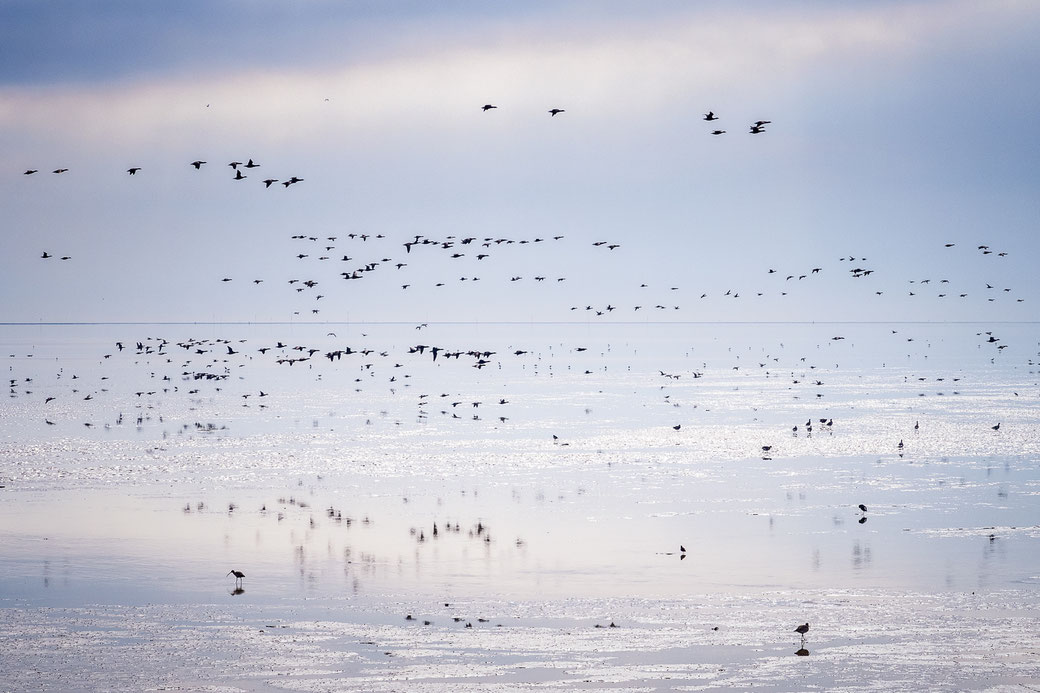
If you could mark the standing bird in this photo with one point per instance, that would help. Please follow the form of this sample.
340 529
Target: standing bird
802 630
554 111
239 575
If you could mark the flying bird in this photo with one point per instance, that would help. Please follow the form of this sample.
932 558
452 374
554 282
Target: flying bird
133 171
487 107
710 115
554 111
197 164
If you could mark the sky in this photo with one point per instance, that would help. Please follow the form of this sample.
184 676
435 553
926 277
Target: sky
901 137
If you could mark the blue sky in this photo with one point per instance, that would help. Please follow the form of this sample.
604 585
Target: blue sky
897 128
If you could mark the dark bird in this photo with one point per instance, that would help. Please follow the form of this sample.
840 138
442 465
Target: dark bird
250 164
863 507
60 170
238 576
235 164
487 107
802 629
133 171
710 115
996 428
46 255
239 176
268 181
30 171
718 132
554 111
197 164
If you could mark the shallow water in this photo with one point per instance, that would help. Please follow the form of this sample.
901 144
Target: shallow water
326 490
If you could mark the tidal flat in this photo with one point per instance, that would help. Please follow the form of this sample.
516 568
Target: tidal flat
593 507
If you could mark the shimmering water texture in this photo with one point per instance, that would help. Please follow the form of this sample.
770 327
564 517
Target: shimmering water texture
479 522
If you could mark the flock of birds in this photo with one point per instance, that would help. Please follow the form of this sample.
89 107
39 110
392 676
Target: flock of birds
476 256
360 256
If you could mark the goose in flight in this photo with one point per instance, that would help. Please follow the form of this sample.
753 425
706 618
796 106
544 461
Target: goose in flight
554 111
30 171
487 107
197 164
268 181
710 115
133 170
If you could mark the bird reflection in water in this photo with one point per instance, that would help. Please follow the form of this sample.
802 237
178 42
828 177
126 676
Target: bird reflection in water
237 591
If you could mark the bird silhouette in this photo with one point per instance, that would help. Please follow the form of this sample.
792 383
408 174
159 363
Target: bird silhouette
487 107
239 575
554 111
133 170
197 164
